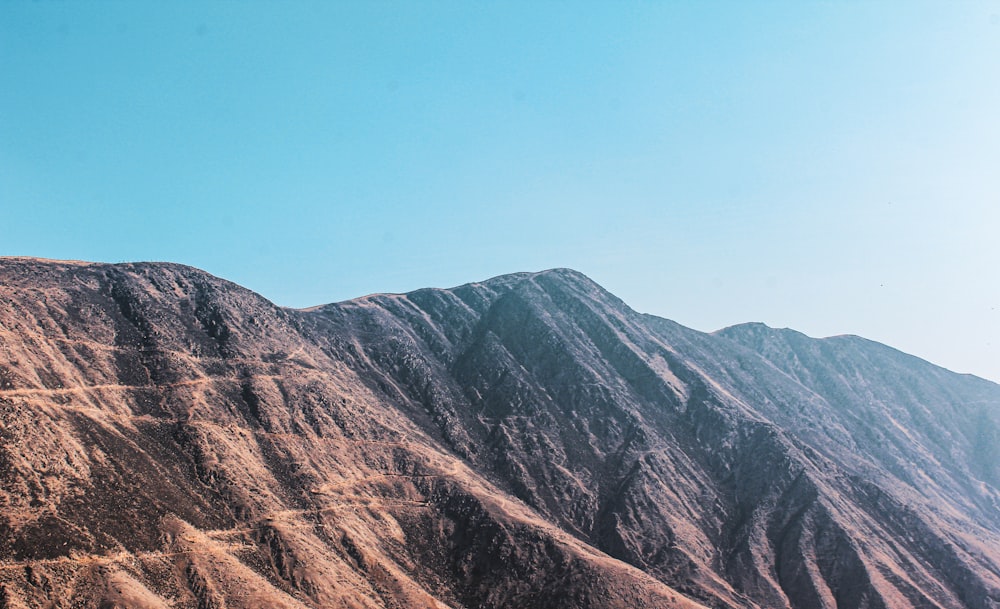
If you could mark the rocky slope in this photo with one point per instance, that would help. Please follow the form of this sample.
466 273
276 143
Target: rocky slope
169 439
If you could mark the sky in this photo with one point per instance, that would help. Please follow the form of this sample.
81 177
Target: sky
832 167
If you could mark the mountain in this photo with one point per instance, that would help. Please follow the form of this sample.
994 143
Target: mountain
170 439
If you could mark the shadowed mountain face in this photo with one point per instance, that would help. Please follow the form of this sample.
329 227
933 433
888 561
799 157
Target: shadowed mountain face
169 439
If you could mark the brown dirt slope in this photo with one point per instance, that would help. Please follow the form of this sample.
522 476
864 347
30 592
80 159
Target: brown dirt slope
169 439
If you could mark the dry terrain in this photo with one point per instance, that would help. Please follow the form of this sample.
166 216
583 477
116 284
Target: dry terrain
170 439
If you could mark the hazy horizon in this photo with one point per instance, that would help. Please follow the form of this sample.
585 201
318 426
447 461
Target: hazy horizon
827 168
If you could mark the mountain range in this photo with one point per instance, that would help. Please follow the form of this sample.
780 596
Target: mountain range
171 439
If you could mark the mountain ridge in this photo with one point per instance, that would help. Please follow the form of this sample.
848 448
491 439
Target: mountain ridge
524 441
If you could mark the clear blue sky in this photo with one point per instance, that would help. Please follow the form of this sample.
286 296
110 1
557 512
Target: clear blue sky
832 167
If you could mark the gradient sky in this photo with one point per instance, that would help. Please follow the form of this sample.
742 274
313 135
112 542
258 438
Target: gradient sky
832 167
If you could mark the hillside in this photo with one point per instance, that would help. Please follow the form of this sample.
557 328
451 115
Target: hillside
170 439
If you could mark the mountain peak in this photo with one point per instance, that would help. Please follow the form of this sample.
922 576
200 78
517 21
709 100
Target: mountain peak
561 274
753 327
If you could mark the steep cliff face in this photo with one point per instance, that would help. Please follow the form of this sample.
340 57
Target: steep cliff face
169 439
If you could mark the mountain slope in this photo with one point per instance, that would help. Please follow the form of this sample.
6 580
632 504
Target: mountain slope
171 439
